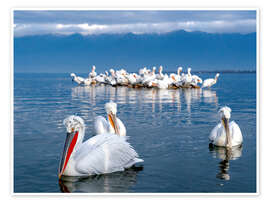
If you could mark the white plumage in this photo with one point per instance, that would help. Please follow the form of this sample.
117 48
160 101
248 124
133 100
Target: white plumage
210 82
103 153
226 134
112 124
77 79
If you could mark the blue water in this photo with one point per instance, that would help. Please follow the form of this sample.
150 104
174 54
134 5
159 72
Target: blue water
168 128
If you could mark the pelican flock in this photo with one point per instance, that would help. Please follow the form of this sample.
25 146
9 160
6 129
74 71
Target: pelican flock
145 78
107 152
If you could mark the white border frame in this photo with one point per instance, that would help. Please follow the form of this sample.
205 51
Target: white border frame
258 169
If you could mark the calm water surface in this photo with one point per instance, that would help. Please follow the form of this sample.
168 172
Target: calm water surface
168 128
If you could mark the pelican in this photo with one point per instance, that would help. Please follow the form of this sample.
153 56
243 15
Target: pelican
160 75
101 154
187 78
93 74
77 79
226 134
176 77
111 79
148 79
164 83
113 124
210 82
132 78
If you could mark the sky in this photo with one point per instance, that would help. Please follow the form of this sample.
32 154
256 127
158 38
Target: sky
85 22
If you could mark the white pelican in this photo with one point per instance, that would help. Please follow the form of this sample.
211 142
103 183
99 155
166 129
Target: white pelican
132 78
149 78
160 75
176 77
113 124
111 79
164 83
209 82
226 134
187 79
77 79
104 153
93 74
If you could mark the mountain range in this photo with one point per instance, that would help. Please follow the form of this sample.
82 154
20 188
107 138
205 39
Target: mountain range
77 53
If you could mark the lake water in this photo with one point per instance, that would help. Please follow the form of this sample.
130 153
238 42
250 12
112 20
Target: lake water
169 129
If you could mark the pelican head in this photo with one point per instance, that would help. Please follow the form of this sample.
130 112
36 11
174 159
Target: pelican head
111 110
189 69
217 75
74 124
93 68
225 112
106 72
73 75
225 115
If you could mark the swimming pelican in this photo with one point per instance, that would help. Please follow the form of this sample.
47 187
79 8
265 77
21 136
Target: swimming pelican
113 124
103 153
210 82
226 134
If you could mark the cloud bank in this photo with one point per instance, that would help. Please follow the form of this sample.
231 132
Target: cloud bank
137 22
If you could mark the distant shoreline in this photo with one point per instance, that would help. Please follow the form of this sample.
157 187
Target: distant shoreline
199 71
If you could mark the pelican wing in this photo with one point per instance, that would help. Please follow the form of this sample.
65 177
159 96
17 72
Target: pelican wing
80 79
215 132
237 137
105 153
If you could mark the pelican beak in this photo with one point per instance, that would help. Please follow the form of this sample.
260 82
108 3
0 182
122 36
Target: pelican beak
113 122
225 122
70 142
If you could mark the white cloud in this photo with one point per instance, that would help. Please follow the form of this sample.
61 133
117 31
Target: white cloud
216 26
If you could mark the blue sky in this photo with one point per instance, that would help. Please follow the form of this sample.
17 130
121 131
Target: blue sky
85 22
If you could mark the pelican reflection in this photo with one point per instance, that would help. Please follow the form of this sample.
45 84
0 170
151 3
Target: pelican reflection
225 154
210 96
140 96
113 182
